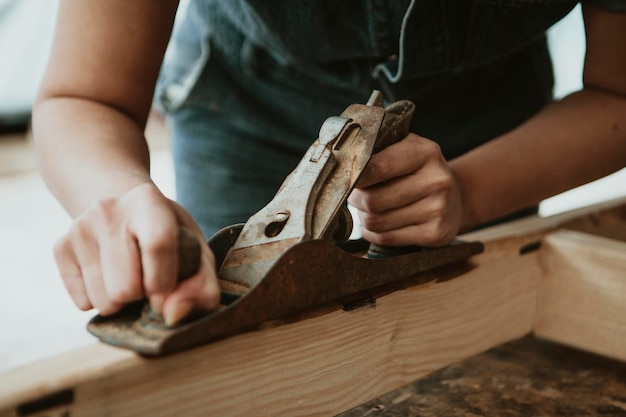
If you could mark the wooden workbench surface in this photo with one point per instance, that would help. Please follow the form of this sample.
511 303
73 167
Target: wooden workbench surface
527 377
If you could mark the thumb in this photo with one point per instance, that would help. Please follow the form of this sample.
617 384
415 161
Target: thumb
199 292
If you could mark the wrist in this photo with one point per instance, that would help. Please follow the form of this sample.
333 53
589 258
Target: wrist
469 216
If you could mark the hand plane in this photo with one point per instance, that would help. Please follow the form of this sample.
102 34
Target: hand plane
294 254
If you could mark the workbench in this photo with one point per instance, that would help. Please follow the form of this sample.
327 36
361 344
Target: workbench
526 377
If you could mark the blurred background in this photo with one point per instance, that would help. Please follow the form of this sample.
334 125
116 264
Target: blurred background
37 318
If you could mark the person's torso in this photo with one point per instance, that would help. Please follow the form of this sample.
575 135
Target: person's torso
475 68
430 36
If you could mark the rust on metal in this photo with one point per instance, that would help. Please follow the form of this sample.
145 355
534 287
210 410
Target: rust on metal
292 255
311 273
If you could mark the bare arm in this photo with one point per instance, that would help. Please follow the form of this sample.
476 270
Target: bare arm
410 195
96 95
571 142
88 125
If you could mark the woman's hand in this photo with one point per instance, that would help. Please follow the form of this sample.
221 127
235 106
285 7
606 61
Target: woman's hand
123 249
408 195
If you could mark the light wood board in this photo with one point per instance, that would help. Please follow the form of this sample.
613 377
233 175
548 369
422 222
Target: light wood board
582 294
317 366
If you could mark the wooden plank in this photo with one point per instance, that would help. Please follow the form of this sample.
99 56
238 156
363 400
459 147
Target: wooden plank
536 225
608 223
582 295
319 366
316 366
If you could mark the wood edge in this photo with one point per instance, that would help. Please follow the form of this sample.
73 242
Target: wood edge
97 357
538 224
92 359
99 362
579 322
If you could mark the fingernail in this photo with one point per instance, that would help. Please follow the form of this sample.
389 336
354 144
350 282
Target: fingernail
177 312
156 302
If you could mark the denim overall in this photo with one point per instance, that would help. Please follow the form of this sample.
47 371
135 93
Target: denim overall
248 83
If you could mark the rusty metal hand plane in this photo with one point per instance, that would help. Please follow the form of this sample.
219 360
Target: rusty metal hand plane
294 254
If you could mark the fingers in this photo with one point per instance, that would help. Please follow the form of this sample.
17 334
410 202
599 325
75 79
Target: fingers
401 158
78 258
408 196
121 268
199 292
71 274
424 223
402 191
154 226
124 249
426 235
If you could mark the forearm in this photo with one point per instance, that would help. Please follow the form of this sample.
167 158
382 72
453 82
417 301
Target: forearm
95 96
569 143
88 151
88 126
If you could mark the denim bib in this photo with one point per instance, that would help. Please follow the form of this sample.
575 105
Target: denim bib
402 38
248 83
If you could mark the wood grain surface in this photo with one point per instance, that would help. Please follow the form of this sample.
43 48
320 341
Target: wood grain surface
320 363
582 296
318 366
